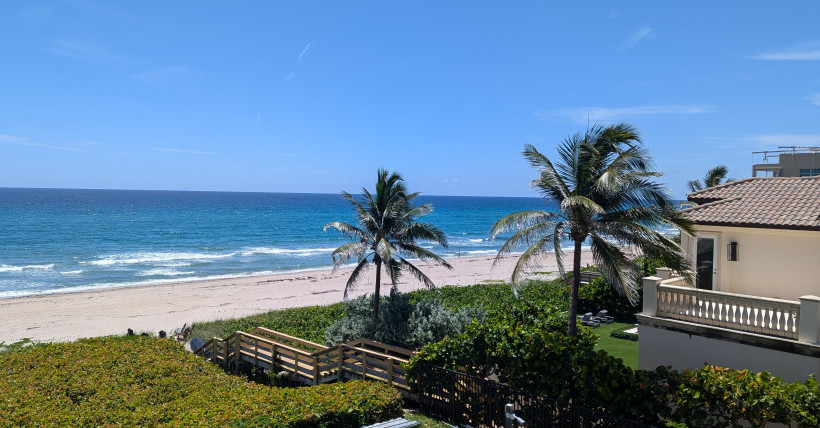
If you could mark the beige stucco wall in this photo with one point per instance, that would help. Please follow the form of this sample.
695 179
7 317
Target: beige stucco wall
688 351
783 264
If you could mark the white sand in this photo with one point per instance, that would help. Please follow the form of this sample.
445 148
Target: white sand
61 317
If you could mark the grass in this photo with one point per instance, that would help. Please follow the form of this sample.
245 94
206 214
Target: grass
424 421
626 350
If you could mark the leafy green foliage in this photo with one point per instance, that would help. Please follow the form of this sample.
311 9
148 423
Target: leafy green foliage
401 322
141 381
599 294
624 335
526 345
308 322
716 396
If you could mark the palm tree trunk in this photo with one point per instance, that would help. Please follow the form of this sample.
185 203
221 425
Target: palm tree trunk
572 326
377 294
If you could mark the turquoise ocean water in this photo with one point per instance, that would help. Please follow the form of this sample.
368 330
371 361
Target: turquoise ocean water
58 240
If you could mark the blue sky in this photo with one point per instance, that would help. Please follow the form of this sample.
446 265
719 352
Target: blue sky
315 96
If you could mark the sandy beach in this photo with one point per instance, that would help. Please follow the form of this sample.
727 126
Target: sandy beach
68 316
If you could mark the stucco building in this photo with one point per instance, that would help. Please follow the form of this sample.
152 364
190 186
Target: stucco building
754 303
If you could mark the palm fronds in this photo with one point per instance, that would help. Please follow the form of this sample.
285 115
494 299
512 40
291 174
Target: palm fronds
602 184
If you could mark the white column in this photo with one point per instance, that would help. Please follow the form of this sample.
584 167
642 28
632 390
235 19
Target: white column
809 327
650 295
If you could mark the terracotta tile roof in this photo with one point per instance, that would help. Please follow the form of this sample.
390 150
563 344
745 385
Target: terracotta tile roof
777 202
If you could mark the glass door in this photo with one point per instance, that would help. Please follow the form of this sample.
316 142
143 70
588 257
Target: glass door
706 261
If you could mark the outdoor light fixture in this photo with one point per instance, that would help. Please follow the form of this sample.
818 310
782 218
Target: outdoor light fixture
731 252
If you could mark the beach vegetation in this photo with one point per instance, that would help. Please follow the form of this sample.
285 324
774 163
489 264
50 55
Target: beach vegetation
144 381
714 177
602 183
309 322
388 231
401 323
527 346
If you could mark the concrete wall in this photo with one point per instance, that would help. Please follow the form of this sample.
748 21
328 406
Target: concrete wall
790 164
688 351
782 264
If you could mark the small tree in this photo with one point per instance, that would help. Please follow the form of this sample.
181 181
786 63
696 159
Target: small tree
387 232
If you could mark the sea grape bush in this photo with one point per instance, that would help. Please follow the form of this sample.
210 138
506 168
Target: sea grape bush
526 346
142 381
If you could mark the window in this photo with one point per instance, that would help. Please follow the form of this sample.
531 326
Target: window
809 172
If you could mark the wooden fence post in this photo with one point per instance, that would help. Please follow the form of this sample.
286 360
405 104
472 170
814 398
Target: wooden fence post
341 363
315 370
364 365
390 371
237 353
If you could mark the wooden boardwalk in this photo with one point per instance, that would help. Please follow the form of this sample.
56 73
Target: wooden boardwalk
308 362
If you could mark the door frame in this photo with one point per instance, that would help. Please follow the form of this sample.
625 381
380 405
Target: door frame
715 254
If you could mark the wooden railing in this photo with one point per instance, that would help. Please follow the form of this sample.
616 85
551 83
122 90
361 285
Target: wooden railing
773 317
308 362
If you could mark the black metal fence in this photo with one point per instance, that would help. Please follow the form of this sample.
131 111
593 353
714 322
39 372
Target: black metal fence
464 399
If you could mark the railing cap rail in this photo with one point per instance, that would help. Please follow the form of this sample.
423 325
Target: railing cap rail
727 295
290 338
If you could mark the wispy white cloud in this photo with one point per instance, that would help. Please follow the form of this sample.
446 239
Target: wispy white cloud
298 60
162 76
181 151
636 37
814 99
785 139
809 51
594 114
78 148
453 181
304 51
89 52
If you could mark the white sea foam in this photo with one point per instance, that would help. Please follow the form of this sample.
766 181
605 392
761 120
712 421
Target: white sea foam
157 258
9 268
299 252
479 252
72 272
163 272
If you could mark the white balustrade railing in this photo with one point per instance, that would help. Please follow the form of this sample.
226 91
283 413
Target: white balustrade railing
773 317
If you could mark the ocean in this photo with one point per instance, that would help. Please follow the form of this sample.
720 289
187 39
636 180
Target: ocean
62 240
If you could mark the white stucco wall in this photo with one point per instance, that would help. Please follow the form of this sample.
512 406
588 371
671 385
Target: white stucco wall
659 347
782 264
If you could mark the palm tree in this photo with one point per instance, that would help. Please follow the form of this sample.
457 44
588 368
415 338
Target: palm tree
387 233
714 177
602 185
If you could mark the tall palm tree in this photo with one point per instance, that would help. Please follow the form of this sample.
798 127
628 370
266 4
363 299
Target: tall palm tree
387 233
713 177
603 186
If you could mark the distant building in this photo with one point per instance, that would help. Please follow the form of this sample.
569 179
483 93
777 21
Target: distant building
790 162
754 304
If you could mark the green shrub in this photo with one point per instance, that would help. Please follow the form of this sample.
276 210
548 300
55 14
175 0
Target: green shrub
624 335
400 322
431 322
141 381
716 396
308 322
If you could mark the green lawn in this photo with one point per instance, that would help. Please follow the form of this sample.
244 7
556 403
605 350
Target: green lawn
424 421
626 350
